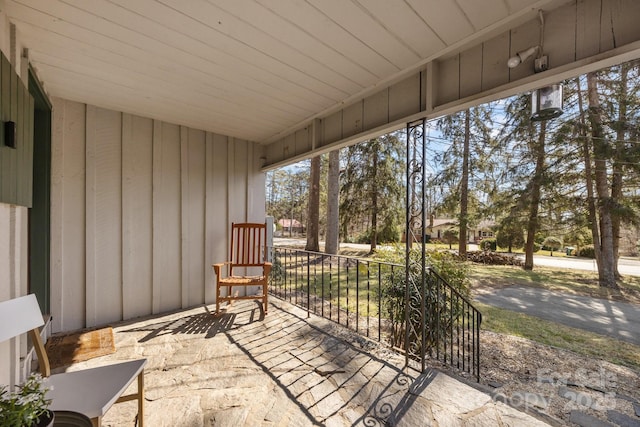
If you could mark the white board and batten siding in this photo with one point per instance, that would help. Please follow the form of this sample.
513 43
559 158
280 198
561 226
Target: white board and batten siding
140 210
13 277
68 215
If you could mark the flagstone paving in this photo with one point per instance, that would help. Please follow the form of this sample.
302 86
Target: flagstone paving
245 369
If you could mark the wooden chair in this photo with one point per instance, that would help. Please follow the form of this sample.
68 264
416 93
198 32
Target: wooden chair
247 254
89 391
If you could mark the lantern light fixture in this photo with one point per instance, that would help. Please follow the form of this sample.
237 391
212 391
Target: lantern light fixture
546 103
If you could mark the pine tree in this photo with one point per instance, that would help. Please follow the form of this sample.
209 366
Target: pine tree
606 272
371 188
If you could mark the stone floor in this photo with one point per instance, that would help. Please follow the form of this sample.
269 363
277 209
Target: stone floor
246 369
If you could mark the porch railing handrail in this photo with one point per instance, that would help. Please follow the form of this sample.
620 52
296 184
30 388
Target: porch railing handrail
458 294
355 258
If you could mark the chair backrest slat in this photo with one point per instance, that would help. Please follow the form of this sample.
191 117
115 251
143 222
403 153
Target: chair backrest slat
248 242
18 316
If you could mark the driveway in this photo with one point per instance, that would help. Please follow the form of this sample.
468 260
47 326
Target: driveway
626 266
615 319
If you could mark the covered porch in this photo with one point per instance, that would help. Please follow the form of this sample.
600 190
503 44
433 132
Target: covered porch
285 369
143 129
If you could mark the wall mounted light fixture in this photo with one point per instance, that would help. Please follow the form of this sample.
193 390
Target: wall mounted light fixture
546 102
10 134
520 57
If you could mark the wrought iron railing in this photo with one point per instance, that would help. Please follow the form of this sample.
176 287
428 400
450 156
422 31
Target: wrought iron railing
347 290
442 325
369 297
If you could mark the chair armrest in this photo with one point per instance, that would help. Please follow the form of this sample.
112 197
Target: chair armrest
217 268
267 268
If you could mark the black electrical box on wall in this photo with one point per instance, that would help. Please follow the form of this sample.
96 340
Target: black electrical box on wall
10 134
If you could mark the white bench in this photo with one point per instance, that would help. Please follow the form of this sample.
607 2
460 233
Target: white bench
89 391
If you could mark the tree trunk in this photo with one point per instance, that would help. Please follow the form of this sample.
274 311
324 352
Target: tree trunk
606 271
374 204
333 202
313 228
464 188
619 159
536 184
591 204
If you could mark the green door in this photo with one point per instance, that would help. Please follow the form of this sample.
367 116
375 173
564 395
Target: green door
39 214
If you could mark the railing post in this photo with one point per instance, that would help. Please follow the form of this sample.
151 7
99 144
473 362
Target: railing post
415 227
269 221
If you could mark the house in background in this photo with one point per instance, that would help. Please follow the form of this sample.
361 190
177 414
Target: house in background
287 225
483 230
475 233
438 226
134 132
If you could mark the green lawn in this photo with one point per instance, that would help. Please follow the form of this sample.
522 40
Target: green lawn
353 288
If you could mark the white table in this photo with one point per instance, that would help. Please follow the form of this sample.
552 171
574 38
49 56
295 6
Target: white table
93 391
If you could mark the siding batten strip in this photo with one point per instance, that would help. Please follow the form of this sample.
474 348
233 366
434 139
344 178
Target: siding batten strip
209 206
157 162
184 212
90 212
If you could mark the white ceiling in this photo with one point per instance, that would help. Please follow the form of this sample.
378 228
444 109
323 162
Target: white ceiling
245 68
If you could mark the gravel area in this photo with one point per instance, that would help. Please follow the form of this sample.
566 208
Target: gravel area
554 381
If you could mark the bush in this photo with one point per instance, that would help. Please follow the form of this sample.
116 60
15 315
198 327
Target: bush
488 244
587 252
552 243
277 270
445 263
447 266
387 234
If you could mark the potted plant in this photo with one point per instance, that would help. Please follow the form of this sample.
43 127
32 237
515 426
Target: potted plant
27 405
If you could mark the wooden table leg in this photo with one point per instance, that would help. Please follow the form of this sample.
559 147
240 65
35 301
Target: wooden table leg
141 399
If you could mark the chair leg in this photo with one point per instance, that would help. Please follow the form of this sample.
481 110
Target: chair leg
217 299
265 298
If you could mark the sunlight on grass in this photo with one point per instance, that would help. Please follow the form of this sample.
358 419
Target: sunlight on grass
553 279
338 287
554 334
